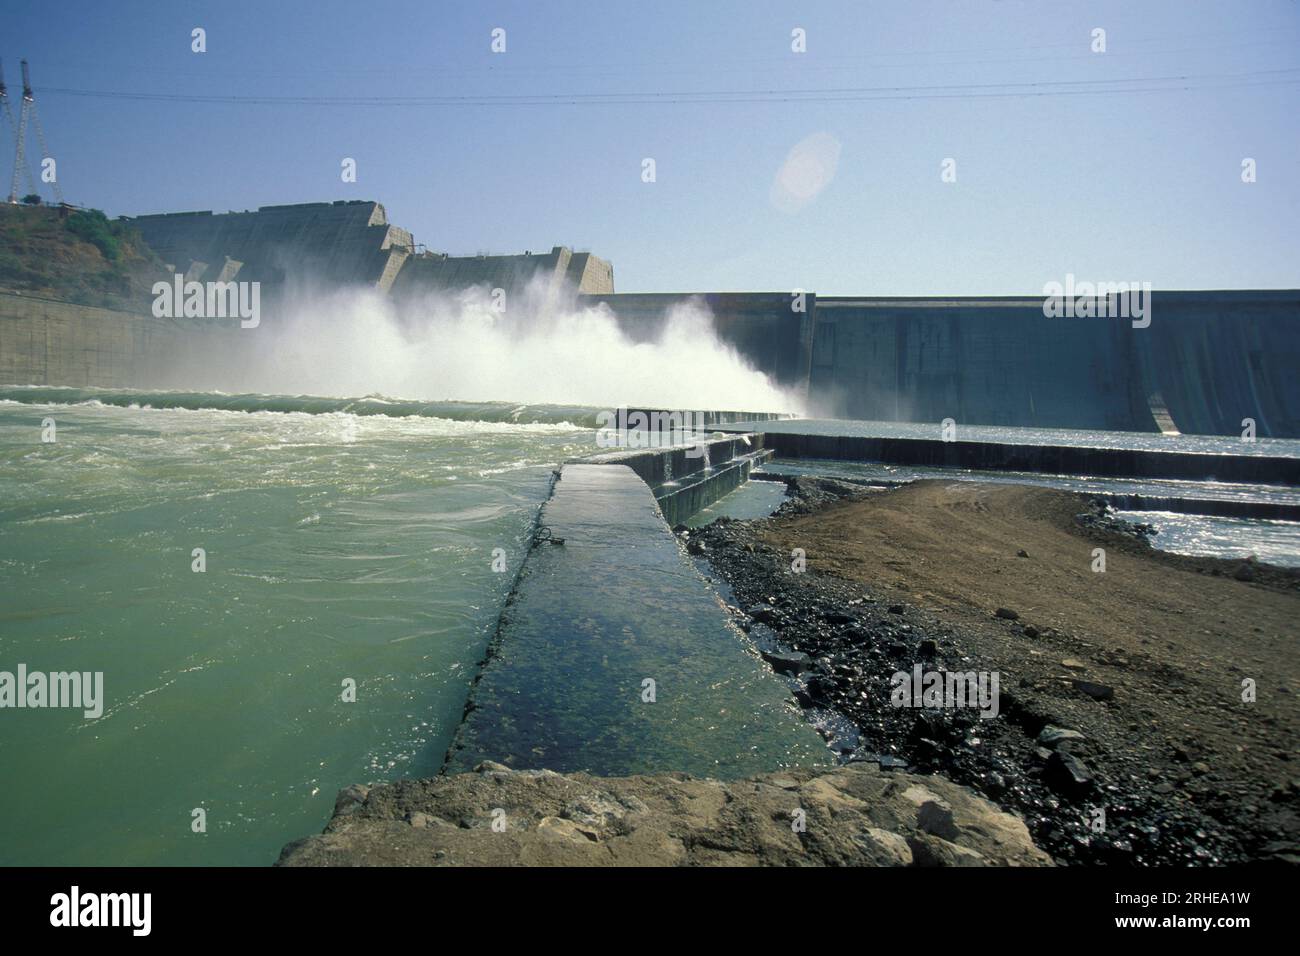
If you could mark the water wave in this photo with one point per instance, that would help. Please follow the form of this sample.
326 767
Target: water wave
503 412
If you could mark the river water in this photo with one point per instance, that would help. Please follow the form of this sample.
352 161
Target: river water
339 546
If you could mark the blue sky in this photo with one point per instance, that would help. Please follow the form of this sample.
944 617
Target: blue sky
1053 175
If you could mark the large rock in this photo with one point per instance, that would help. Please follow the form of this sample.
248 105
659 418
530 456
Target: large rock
855 815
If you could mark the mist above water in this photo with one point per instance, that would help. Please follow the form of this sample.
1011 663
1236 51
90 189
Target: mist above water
535 349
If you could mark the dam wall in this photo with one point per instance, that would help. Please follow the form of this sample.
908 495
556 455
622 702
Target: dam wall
348 242
1207 360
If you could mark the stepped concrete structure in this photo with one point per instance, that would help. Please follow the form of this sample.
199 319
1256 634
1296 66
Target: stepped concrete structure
346 243
560 268
342 242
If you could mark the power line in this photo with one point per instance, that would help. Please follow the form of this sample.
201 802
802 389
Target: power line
752 64
829 94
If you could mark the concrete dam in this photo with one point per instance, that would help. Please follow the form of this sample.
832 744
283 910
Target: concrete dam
1208 361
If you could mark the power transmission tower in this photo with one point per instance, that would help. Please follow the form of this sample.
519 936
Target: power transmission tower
20 158
7 116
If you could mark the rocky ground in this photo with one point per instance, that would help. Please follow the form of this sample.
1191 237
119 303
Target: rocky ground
1122 736
855 815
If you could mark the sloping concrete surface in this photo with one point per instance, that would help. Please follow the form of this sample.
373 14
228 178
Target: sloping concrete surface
591 621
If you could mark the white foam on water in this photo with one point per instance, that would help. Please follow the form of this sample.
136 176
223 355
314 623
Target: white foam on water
459 347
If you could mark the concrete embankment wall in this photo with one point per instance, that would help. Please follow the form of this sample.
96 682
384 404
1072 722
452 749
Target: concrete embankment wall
46 342
1218 507
688 479
655 466
1051 459
613 657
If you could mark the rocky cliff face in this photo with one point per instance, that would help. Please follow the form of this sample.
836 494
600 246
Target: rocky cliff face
857 815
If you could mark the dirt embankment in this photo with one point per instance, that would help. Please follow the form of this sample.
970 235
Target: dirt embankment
1174 636
1148 661
850 816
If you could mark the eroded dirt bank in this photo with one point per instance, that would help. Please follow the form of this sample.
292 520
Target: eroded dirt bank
1120 691
495 816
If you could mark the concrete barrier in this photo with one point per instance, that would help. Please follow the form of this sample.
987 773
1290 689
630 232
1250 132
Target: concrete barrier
701 490
1051 459
612 656
687 479
1216 507
657 466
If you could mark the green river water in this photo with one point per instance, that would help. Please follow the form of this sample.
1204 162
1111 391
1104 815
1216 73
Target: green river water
339 545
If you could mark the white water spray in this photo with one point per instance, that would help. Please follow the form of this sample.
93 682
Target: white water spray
358 342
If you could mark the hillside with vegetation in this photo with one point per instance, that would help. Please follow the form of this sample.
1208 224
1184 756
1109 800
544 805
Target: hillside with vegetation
78 256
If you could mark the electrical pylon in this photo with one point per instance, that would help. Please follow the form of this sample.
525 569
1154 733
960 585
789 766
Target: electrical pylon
27 113
7 116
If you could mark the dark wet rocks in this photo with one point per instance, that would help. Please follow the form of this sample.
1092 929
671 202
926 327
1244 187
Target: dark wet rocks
808 493
856 815
1067 774
788 662
855 642
1102 518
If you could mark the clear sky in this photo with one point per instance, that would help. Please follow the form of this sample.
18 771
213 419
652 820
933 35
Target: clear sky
1117 166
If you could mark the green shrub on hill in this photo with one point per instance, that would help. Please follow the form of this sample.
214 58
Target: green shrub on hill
78 256
93 226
